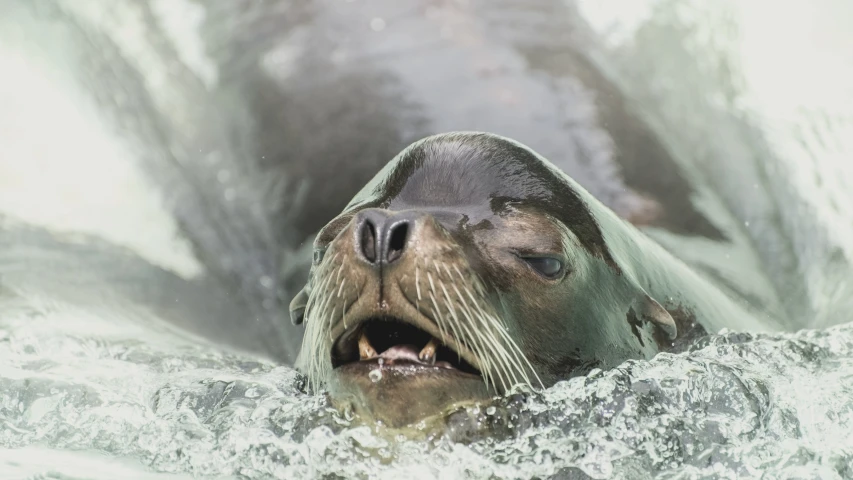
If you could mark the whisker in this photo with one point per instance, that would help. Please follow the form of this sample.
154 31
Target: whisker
341 288
444 336
474 343
503 371
487 368
338 275
319 318
440 321
461 277
417 281
482 352
449 275
514 348
312 302
330 317
463 339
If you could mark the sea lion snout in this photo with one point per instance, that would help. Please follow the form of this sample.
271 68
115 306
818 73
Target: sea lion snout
382 236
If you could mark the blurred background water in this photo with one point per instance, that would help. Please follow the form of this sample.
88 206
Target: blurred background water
164 165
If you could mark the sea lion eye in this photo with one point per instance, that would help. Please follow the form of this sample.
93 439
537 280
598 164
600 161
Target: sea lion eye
319 253
547 266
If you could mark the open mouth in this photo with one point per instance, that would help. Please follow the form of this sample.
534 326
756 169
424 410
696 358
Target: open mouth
394 343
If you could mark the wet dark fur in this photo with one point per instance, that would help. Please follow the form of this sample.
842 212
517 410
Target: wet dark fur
461 170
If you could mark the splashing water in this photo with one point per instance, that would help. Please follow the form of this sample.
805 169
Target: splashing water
734 406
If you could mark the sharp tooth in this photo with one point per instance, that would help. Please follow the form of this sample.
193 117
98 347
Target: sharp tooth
428 353
365 349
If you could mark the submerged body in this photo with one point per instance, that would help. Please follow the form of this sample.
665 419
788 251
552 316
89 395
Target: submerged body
470 265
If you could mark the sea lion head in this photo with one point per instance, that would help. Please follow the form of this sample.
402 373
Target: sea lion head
469 265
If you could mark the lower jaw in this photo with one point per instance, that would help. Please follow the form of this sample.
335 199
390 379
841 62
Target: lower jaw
403 396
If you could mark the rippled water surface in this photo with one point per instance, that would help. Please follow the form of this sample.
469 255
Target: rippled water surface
736 406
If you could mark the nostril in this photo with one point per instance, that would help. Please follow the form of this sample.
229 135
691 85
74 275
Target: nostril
397 241
368 241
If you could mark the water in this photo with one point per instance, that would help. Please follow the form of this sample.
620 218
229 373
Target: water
107 307
735 406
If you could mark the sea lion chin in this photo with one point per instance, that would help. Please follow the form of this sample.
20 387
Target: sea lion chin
469 266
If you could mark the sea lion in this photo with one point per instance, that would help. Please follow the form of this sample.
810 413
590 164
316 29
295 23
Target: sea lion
470 265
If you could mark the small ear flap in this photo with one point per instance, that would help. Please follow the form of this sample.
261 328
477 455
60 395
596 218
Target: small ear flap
651 311
297 307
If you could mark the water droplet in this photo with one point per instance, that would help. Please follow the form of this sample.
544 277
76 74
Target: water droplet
491 410
377 24
375 375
